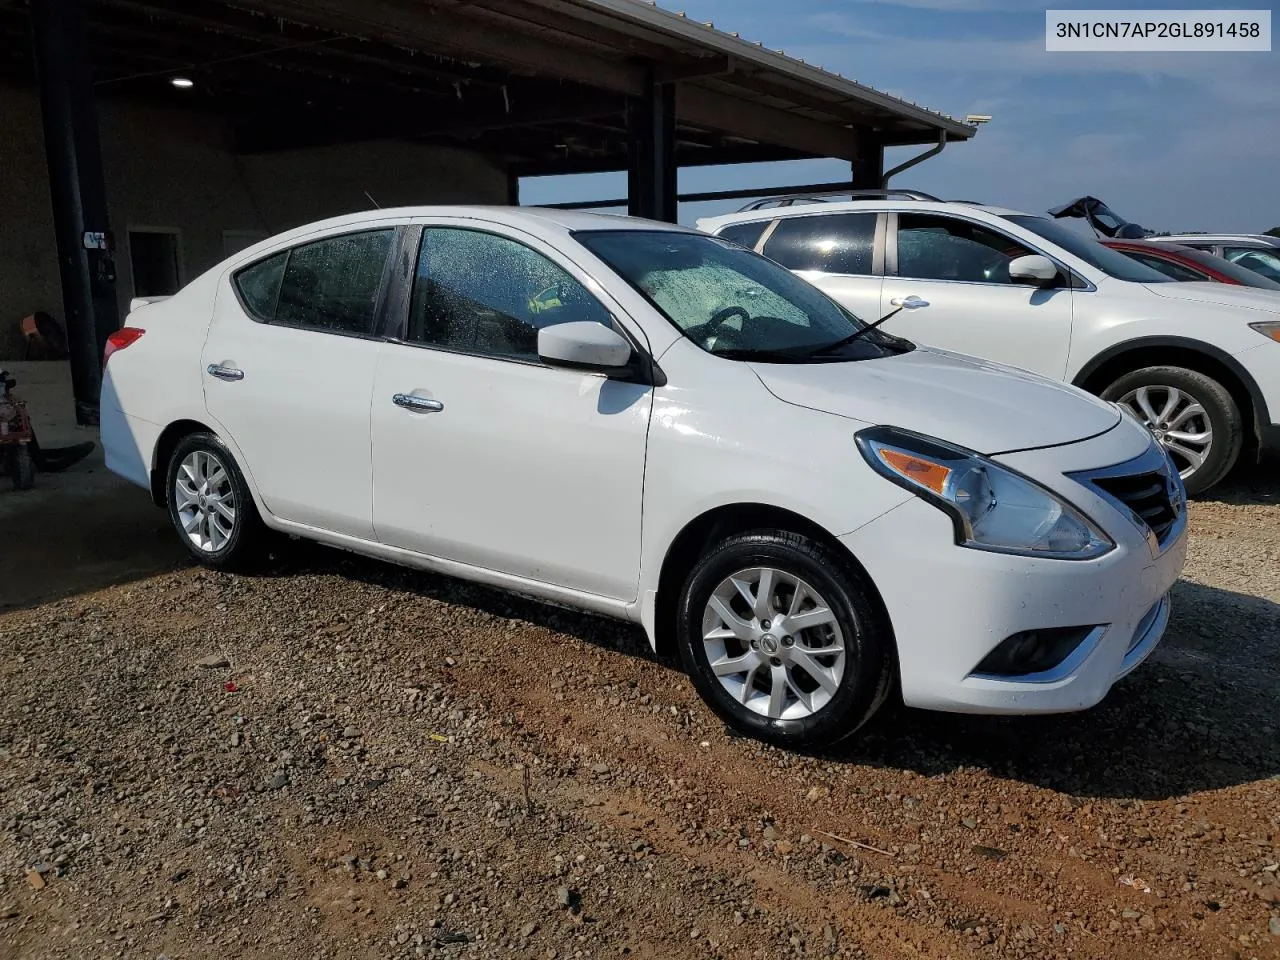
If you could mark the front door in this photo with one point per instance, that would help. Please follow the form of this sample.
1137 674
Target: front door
952 281
484 455
288 372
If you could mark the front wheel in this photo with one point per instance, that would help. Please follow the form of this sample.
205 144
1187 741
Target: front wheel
210 504
1192 415
781 638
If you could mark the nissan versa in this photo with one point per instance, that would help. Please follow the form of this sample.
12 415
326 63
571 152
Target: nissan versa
651 423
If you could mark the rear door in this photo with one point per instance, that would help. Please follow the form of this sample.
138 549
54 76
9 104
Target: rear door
951 277
288 372
837 252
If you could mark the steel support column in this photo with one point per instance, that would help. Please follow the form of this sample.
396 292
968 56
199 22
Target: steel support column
513 188
651 168
865 172
77 187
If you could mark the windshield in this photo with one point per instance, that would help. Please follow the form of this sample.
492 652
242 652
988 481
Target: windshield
1111 262
735 303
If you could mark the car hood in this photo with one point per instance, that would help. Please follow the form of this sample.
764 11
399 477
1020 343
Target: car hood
984 406
1220 294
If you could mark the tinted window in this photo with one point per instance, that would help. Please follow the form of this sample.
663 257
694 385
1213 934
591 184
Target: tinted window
1111 262
1253 258
1175 271
943 248
836 243
333 284
259 285
485 294
744 234
1235 271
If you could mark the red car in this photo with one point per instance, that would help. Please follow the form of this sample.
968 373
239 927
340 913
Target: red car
1187 263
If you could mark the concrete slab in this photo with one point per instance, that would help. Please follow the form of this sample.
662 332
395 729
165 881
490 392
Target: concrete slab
80 529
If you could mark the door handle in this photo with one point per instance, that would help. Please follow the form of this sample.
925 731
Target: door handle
910 303
225 373
417 404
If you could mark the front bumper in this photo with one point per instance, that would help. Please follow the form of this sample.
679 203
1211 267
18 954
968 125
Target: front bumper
950 606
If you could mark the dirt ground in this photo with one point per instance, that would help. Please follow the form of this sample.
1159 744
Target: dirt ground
339 758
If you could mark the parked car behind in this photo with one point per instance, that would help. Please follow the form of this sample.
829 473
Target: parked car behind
1259 252
1199 363
646 422
1178 262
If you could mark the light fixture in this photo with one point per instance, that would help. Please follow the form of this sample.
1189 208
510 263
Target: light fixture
182 83
974 119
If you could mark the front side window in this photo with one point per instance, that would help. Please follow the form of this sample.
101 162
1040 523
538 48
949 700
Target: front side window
735 303
944 248
331 284
481 293
835 243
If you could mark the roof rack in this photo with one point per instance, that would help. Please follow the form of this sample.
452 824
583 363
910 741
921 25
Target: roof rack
826 196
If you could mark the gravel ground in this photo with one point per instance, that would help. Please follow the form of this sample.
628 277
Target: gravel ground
343 759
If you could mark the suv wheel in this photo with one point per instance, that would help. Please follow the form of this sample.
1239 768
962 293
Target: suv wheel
781 640
1192 415
210 504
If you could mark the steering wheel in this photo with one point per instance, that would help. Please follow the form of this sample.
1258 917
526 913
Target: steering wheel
705 331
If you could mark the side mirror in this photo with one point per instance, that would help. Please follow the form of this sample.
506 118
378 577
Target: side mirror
584 345
1033 269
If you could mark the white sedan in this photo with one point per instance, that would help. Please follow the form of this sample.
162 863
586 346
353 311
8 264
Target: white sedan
651 423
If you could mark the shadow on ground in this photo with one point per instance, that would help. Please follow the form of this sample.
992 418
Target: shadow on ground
1199 715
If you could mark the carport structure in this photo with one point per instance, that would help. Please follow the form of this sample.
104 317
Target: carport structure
541 87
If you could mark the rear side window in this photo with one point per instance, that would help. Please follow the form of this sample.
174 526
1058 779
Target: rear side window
259 285
330 285
835 243
744 234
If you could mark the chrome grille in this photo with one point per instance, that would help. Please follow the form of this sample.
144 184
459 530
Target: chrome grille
1149 489
1150 496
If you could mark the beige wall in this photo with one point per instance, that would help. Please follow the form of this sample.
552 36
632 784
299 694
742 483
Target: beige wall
173 169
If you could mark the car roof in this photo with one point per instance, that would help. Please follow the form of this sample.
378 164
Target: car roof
1261 238
849 206
527 217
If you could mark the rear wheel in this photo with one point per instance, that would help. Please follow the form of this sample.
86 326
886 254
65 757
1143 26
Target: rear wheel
780 637
210 504
1192 415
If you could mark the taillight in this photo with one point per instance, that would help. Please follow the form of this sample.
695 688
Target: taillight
119 340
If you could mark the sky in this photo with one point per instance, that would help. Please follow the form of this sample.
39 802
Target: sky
1173 141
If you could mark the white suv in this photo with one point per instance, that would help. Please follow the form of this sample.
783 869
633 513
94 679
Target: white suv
650 423
1199 363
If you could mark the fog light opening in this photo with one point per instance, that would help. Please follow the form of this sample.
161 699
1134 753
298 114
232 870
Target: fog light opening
1033 652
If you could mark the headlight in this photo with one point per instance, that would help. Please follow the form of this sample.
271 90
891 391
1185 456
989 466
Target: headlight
992 507
1269 329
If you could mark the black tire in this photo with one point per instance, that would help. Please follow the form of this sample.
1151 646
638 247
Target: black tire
1220 409
23 468
868 642
243 547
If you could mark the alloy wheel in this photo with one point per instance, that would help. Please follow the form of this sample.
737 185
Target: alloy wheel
774 643
205 501
1178 420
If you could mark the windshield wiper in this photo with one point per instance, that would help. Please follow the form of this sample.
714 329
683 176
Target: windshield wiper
856 335
763 356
